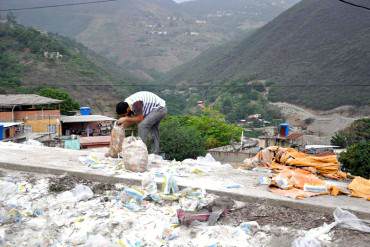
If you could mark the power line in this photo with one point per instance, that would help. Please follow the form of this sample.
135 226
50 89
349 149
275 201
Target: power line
354 4
197 85
57 5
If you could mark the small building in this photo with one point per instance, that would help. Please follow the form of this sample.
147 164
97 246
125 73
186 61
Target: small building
320 149
232 155
39 114
254 117
12 131
201 104
86 125
92 131
294 139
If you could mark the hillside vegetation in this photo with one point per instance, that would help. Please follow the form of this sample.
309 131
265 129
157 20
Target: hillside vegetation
29 61
150 37
315 54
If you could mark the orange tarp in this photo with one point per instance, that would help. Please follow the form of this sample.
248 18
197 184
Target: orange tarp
360 187
298 178
327 166
296 169
283 158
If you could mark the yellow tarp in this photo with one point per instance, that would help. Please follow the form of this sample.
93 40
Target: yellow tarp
327 166
360 187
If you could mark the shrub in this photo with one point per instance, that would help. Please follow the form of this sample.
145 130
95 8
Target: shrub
68 104
356 159
188 136
358 131
179 141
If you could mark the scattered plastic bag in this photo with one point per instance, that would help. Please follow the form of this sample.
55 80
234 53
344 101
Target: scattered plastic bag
7 189
2 237
342 218
135 154
250 227
264 180
169 185
149 185
135 194
117 137
97 241
82 192
79 193
348 220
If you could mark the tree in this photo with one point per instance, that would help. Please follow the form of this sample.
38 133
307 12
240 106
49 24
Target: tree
356 159
68 104
358 131
10 17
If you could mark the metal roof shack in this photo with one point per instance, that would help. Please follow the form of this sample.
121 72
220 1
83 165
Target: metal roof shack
11 100
85 119
10 124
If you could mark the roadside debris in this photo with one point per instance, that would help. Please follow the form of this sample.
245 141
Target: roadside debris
342 218
250 227
299 175
121 215
278 158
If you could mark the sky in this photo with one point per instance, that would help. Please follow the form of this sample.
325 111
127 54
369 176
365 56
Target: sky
180 1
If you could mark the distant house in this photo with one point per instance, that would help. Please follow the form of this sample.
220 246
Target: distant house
39 114
12 131
201 104
89 125
254 117
94 130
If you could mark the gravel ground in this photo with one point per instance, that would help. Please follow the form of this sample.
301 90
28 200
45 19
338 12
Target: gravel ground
295 219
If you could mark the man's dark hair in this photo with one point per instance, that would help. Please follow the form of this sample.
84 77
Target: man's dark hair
121 108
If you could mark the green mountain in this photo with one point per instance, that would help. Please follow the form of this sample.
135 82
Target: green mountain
30 59
150 37
315 54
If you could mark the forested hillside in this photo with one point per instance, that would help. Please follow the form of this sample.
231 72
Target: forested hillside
316 54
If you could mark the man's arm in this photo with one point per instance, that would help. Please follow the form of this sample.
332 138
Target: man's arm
137 108
130 120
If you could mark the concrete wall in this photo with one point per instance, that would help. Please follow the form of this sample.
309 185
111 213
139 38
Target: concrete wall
39 120
230 157
41 126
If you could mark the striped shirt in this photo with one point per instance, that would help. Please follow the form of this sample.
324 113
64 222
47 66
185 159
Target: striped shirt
147 101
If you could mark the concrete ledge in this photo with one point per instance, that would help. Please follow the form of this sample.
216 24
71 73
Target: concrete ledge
59 162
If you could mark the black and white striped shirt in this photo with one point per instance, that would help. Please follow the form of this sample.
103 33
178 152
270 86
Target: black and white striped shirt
149 102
